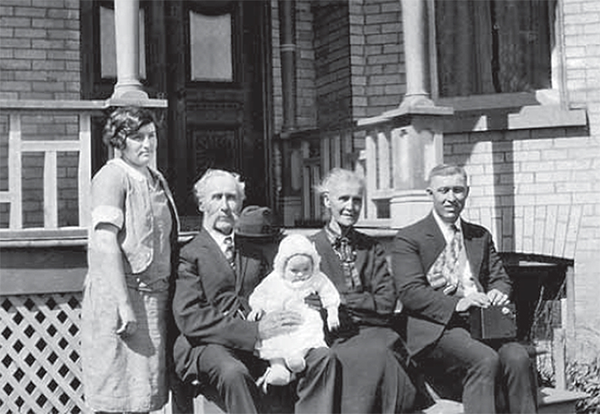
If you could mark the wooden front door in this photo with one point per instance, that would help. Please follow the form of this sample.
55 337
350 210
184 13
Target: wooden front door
210 60
217 95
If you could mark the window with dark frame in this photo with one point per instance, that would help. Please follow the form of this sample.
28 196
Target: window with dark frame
493 46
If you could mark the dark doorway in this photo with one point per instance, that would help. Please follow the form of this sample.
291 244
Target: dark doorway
217 83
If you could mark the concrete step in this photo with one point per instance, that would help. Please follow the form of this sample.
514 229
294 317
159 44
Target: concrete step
551 401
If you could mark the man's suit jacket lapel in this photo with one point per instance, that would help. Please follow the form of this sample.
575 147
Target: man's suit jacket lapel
213 252
434 240
475 249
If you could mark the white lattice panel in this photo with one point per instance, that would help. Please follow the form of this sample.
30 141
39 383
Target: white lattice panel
40 369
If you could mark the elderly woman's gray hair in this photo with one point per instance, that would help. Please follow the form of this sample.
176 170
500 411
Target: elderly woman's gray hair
201 185
337 176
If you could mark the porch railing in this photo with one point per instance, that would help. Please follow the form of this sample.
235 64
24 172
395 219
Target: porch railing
45 166
39 127
306 157
309 155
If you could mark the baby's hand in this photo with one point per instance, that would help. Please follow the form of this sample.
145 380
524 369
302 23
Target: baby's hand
255 315
333 322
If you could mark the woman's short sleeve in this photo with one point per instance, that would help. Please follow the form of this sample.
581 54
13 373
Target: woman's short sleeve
108 197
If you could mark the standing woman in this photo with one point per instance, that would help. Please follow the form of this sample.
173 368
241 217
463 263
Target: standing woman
132 244
373 379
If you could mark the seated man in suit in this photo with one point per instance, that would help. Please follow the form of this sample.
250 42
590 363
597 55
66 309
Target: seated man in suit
443 267
210 306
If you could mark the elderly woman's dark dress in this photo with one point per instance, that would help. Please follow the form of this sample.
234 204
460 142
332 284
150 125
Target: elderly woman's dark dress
373 379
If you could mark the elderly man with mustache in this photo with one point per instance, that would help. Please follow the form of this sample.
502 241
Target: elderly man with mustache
217 343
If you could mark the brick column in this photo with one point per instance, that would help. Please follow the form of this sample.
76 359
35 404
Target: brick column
127 46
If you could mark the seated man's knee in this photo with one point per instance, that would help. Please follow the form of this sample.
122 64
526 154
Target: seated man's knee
223 368
514 355
233 373
488 363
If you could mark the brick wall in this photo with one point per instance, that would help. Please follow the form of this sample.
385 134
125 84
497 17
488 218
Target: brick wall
350 60
379 80
332 63
40 59
582 62
39 47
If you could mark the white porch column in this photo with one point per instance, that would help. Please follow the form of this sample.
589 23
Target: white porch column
416 50
413 131
127 47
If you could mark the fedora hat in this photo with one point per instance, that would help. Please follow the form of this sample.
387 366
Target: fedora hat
256 221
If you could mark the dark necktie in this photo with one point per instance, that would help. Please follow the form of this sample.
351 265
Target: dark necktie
229 250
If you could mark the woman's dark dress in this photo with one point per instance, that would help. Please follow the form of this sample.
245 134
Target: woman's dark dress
373 379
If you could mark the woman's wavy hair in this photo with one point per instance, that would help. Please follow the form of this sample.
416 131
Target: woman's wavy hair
123 122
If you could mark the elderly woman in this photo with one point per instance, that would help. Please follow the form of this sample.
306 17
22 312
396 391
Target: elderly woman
132 242
373 379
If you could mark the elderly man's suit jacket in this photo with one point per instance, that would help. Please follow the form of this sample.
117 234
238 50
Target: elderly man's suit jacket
210 298
415 250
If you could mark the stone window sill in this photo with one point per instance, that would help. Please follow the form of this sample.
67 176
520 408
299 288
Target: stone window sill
514 111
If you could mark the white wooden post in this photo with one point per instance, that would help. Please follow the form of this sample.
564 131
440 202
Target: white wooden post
85 169
127 47
14 172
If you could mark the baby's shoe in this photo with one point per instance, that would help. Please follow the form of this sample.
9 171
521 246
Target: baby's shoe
296 363
278 375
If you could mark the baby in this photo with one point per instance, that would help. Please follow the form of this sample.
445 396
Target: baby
295 275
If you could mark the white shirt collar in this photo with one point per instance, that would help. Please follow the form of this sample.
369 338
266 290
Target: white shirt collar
219 238
445 227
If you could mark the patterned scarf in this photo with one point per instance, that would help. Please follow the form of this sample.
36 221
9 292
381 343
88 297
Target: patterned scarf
346 252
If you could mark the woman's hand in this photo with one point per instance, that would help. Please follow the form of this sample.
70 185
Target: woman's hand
128 321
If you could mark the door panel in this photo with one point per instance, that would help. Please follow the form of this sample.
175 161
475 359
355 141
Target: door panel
217 117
